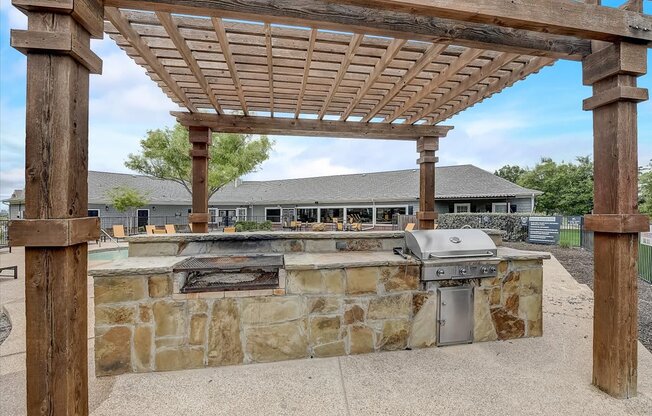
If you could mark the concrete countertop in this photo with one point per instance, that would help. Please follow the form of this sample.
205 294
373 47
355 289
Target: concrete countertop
265 235
300 261
135 266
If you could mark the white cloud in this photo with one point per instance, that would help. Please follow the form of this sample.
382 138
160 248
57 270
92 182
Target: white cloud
15 18
11 179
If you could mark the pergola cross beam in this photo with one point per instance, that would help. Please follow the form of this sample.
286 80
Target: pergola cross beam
307 127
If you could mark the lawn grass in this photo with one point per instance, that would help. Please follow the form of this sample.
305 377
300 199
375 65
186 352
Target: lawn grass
570 237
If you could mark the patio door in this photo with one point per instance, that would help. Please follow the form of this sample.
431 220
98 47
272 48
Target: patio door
143 217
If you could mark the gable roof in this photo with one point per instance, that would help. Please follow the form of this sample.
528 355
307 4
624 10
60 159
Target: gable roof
451 182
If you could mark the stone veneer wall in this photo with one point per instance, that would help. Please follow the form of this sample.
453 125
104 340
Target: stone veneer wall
141 326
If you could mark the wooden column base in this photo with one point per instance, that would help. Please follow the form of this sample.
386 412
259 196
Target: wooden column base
198 222
200 138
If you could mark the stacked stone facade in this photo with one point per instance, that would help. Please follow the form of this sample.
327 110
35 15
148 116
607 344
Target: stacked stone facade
142 325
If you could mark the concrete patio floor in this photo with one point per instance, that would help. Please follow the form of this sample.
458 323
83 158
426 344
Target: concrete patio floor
550 375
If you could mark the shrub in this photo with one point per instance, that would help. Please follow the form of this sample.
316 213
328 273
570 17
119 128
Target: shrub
514 224
241 226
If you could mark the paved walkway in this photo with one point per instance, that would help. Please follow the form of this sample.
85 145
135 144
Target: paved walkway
550 375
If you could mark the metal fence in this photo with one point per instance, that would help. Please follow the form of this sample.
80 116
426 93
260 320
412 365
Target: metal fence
4 233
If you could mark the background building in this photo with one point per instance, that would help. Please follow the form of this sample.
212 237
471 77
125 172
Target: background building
374 197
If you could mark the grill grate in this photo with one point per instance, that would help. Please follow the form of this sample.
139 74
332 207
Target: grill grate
225 273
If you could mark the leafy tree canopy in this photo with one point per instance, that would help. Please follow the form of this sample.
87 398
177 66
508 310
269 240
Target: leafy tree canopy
511 173
165 155
645 189
125 198
567 187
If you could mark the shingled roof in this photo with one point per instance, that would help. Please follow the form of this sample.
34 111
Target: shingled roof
452 182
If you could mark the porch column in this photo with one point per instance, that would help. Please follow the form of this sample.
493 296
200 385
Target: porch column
56 230
427 146
612 71
200 138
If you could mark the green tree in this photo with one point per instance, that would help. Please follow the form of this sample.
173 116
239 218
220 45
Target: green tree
645 189
511 173
165 155
126 199
567 187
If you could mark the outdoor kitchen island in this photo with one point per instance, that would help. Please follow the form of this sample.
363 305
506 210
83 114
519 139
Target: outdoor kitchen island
195 300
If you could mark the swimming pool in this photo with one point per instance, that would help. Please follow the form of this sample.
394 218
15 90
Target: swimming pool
114 254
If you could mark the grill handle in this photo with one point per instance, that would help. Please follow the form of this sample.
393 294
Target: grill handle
459 256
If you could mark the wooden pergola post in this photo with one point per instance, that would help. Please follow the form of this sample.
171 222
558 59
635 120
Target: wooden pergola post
200 138
612 72
56 230
427 215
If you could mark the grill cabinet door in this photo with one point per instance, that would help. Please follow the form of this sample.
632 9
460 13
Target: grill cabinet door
455 315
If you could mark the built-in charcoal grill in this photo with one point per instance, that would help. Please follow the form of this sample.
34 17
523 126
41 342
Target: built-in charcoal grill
452 254
223 273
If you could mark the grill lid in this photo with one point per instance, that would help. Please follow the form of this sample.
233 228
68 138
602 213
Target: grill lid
443 244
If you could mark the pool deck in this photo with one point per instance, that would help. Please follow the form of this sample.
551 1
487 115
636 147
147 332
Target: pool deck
550 375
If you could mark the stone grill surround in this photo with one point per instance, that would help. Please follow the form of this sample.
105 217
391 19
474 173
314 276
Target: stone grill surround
332 304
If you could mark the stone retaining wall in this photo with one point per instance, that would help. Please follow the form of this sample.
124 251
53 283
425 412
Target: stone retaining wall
139 327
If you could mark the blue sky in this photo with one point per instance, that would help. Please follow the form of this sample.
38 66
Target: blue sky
540 116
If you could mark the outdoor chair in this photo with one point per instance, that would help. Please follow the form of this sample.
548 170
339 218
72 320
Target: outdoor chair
170 229
119 232
149 229
14 270
229 229
319 226
410 227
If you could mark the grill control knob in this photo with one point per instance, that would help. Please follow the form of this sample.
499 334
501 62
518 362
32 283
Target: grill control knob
440 272
463 271
484 270
492 269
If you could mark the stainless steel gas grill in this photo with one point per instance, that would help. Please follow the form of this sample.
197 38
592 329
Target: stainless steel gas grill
452 254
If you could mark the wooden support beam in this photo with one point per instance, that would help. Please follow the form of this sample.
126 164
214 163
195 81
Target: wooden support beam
562 17
270 66
426 59
56 192
228 57
494 87
488 70
178 40
53 232
200 138
343 67
462 61
616 222
115 16
336 15
306 71
427 215
306 127
392 50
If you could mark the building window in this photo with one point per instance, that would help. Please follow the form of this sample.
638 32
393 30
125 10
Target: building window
500 207
273 214
462 208
241 214
307 214
384 215
363 215
93 212
329 214
214 217
143 217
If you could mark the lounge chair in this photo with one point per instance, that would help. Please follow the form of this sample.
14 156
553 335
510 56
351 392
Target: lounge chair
13 269
170 229
149 229
410 226
318 226
119 232
229 229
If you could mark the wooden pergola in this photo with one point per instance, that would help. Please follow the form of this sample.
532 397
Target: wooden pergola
387 69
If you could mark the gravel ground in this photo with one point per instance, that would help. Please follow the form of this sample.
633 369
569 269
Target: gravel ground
5 327
579 263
